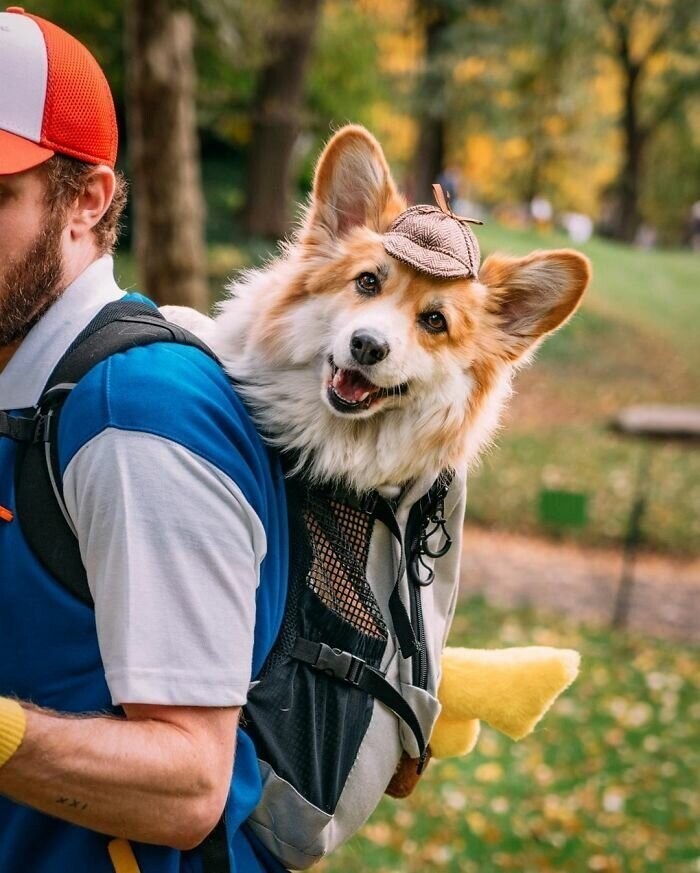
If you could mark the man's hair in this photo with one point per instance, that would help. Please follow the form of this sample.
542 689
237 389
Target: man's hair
67 179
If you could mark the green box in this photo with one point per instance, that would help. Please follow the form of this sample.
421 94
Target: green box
563 508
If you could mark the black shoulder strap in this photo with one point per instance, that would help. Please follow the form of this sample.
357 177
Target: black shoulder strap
118 327
45 522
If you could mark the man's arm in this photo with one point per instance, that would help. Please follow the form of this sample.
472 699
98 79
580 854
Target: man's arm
161 775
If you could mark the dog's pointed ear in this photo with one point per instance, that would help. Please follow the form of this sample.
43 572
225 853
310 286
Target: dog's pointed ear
533 296
352 186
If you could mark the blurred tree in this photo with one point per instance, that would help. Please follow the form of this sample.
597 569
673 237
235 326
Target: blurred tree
521 97
436 17
277 117
345 80
522 123
545 69
672 178
655 45
363 70
165 170
230 51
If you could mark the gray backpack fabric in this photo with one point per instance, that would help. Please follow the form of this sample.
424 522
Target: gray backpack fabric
351 683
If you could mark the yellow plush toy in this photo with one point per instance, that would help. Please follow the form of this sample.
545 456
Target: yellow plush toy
509 689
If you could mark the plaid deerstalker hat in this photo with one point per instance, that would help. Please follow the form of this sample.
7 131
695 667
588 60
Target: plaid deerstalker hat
435 241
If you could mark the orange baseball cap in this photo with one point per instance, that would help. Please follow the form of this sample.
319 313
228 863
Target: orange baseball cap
54 97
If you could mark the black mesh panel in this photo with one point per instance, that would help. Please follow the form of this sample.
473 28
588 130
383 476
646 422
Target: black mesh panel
308 726
340 536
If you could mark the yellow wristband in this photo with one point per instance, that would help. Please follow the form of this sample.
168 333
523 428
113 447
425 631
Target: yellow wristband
13 722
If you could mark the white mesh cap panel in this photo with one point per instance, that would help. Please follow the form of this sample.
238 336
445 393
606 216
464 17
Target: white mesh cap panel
23 76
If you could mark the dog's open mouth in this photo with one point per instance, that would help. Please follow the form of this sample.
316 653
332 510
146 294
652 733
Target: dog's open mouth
350 391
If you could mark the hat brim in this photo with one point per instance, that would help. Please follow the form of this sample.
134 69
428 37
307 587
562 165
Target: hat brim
18 154
432 263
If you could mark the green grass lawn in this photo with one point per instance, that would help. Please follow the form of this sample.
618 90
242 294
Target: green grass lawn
608 781
636 339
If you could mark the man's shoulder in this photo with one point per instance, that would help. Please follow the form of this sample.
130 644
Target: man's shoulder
172 391
129 382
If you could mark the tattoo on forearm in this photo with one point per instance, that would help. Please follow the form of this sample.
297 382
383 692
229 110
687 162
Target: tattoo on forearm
72 803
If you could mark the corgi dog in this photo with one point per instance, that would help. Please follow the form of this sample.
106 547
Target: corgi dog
364 369
373 375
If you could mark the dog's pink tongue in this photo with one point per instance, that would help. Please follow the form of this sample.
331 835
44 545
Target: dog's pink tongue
352 386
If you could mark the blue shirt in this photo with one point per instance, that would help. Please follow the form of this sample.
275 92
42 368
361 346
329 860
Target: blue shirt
49 651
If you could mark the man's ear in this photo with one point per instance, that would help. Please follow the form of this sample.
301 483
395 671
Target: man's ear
530 297
352 186
92 202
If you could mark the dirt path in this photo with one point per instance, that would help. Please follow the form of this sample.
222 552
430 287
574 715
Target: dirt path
515 570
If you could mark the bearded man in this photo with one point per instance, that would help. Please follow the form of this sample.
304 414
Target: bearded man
118 722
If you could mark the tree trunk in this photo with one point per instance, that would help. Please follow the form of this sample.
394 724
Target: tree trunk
628 216
276 120
429 158
164 153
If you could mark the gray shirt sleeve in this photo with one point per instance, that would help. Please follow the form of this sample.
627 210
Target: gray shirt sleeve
172 551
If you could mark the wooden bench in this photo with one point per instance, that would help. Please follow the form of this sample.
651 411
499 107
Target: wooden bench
661 423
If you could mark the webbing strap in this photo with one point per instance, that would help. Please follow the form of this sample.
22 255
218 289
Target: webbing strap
349 668
118 327
17 428
403 628
214 850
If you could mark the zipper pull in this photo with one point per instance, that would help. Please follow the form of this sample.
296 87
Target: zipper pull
6 514
423 760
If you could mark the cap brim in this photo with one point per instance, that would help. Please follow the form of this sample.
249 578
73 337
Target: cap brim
18 154
437 264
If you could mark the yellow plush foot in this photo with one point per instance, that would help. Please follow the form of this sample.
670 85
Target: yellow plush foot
453 737
510 689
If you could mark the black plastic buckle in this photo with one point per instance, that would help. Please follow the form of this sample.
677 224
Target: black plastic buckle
339 664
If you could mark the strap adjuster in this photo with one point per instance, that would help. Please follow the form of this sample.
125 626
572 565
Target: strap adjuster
339 664
19 428
358 673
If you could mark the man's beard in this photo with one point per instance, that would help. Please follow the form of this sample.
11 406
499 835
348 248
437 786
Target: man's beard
32 284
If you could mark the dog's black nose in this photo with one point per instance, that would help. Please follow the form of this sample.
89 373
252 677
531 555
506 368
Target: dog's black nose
368 348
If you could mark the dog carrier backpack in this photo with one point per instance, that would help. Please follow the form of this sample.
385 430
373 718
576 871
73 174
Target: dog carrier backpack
350 685
349 688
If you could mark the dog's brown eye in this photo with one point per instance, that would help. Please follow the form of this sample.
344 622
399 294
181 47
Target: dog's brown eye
434 321
367 283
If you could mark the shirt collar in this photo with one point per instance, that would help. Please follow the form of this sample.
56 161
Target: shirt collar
23 379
